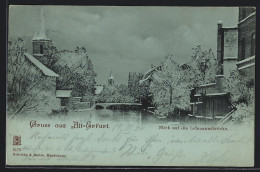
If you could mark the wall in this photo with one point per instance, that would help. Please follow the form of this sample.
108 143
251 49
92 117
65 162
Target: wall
230 42
229 66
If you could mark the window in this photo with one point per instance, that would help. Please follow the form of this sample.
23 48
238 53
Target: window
41 49
243 49
252 44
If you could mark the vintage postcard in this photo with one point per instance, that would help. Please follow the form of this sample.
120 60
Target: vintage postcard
130 86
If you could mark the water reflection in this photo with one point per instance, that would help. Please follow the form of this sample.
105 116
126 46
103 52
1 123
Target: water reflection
105 115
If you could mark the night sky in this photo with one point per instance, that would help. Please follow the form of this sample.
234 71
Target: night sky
124 39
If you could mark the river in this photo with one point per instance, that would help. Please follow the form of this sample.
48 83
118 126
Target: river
105 115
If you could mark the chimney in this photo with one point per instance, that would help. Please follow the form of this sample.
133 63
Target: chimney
220 24
220 48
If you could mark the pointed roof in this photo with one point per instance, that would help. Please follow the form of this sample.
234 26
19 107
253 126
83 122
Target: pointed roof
111 75
40 34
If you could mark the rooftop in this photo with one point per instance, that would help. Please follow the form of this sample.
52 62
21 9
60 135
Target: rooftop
252 14
40 34
46 71
63 93
98 89
111 76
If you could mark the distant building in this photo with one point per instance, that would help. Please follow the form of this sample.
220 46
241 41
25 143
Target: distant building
98 89
111 80
246 39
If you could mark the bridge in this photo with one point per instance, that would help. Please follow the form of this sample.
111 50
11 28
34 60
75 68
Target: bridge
105 105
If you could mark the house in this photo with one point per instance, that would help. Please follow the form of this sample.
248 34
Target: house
65 98
48 75
246 40
211 102
39 88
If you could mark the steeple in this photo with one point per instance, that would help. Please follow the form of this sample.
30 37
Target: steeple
40 34
111 79
111 75
40 41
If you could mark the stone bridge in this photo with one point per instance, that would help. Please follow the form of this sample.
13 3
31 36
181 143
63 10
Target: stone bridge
105 105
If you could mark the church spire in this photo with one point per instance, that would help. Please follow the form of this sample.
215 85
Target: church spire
111 79
111 75
40 34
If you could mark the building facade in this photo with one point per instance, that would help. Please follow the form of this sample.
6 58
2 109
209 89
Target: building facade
235 51
211 102
246 39
111 80
227 49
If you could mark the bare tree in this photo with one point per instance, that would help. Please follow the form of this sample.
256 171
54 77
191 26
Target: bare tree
76 72
27 87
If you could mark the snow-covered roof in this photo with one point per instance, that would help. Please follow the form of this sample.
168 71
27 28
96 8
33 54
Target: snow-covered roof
98 89
194 103
230 58
220 22
216 94
246 60
246 66
219 76
111 76
142 80
199 116
211 94
231 27
219 117
247 18
207 85
46 71
40 34
63 93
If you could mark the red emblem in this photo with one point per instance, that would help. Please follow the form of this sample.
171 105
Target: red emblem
17 140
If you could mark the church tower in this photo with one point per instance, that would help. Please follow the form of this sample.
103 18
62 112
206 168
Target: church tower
40 40
111 81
